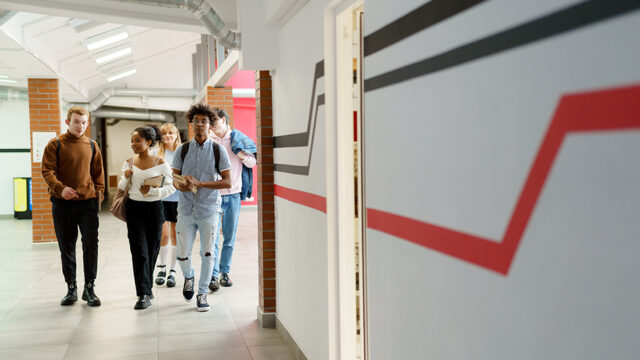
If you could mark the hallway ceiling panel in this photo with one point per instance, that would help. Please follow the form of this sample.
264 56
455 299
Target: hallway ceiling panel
49 38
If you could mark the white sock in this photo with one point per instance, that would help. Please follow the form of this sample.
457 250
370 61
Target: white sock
173 251
163 255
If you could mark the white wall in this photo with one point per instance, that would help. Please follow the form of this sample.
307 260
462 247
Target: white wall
463 142
301 246
119 144
14 119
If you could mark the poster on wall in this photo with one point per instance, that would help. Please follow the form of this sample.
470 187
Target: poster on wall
40 140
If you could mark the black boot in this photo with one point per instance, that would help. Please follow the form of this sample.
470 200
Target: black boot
72 294
89 295
142 303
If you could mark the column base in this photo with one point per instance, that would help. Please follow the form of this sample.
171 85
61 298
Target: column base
266 320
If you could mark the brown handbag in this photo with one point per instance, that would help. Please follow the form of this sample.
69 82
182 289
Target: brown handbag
118 205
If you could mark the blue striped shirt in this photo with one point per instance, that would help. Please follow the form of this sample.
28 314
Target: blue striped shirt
200 163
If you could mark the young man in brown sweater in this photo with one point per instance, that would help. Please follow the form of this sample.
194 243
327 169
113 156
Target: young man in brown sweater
72 169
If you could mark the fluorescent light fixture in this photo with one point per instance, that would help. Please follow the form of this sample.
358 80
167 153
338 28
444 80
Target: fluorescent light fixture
113 55
121 75
106 38
4 77
77 22
9 81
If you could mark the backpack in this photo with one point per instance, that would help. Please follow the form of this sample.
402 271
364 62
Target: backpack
216 153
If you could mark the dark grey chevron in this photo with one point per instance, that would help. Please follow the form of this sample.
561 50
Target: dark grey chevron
434 12
302 139
571 18
419 19
303 169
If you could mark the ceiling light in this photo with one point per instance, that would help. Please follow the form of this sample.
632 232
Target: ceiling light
121 75
7 80
4 77
113 55
106 38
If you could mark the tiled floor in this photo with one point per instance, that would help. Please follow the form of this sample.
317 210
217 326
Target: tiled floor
34 326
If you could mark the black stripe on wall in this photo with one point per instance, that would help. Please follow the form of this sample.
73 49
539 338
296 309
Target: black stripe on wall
15 150
303 169
572 18
301 139
421 18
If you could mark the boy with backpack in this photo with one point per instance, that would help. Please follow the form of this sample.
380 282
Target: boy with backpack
204 166
72 169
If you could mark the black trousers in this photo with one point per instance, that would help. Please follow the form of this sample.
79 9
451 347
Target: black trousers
67 217
144 228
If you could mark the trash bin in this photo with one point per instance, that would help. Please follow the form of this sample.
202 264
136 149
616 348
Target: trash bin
22 197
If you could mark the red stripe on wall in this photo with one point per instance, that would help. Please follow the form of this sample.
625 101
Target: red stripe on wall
606 110
300 197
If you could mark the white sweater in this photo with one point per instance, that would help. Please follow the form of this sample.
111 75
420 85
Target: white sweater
139 176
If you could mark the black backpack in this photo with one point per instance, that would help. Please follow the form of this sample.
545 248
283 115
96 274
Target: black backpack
216 153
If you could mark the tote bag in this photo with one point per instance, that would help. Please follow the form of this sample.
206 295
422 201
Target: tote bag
118 205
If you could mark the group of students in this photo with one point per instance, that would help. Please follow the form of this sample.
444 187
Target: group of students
212 173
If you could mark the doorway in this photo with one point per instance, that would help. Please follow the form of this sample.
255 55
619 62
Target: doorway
350 185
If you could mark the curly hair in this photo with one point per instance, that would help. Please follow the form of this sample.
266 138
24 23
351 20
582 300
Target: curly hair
201 109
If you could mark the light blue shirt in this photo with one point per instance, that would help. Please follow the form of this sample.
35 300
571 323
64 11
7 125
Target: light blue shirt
199 162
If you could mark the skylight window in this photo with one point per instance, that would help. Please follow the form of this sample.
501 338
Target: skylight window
106 38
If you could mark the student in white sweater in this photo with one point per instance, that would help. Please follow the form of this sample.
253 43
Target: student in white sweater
144 211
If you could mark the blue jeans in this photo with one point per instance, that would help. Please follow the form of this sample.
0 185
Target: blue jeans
230 214
186 235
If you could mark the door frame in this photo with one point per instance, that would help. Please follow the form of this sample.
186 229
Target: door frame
340 186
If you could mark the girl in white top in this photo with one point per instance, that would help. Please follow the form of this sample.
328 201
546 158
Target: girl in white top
166 150
144 212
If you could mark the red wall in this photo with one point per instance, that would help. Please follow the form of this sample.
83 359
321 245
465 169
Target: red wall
244 117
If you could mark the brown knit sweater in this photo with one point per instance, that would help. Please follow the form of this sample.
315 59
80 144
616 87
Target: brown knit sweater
74 168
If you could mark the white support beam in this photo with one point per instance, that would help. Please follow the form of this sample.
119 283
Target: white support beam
112 12
223 73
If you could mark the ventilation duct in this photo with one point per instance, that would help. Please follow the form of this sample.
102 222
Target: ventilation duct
145 115
99 100
10 94
5 15
205 13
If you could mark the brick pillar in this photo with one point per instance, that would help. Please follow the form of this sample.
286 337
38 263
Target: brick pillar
266 214
221 98
44 116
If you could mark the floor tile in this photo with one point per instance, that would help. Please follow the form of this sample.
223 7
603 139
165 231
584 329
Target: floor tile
33 325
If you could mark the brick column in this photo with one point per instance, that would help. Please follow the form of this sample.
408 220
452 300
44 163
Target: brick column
221 98
44 116
266 214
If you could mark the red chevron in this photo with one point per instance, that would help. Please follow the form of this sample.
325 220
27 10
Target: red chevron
605 110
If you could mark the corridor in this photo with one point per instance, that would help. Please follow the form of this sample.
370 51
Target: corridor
34 326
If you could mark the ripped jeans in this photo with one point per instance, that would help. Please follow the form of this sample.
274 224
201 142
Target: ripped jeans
186 229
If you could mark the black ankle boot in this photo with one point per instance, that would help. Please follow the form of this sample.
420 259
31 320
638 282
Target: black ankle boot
142 303
72 294
89 295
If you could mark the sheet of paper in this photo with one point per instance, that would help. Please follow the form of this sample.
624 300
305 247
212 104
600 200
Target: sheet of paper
40 141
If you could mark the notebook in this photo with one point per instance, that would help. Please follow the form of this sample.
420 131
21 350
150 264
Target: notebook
156 181
183 181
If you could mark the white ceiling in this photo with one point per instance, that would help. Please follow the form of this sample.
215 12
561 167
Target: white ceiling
41 41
